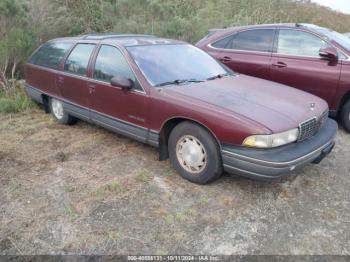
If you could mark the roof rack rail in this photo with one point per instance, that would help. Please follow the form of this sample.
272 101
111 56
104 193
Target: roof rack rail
110 35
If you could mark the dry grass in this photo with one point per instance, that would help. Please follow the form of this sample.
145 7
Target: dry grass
143 176
104 191
82 189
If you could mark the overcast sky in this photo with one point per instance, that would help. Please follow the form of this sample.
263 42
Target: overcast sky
339 5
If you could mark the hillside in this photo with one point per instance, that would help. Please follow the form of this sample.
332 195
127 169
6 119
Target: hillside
24 24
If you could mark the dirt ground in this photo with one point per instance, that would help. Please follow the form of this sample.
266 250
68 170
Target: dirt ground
85 190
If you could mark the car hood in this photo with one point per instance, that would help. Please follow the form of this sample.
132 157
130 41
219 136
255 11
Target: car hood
275 106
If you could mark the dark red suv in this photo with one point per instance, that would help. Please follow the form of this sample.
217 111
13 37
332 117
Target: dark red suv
178 98
304 56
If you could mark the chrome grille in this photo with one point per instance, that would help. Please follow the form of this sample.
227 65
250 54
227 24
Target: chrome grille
323 119
310 127
307 129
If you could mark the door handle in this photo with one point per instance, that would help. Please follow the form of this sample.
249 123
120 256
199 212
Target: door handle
279 64
92 88
61 79
225 59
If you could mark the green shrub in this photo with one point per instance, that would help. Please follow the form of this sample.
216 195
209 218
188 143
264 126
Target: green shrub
15 100
7 105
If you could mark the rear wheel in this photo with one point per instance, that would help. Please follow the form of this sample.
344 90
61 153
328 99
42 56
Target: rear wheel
60 114
345 115
194 153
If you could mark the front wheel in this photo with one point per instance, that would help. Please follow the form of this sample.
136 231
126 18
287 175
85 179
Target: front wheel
345 116
194 153
60 114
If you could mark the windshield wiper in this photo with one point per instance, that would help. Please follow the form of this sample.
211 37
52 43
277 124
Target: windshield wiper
178 81
217 76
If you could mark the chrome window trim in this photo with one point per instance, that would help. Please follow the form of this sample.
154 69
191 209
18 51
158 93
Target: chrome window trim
240 50
43 68
74 75
307 57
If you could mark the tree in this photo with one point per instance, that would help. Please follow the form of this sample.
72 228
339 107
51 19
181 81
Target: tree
17 39
24 24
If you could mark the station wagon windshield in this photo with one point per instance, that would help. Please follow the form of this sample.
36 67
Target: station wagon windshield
175 64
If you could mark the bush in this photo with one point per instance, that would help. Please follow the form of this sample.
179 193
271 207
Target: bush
7 105
15 100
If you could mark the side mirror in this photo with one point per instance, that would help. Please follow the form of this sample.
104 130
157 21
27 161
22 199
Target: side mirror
329 53
123 82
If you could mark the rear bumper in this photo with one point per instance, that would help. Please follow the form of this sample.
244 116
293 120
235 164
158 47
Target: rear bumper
266 164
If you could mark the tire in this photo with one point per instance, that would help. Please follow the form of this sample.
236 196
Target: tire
345 116
57 110
204 165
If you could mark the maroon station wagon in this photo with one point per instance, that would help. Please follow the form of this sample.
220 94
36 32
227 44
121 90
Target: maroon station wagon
304 56
176 97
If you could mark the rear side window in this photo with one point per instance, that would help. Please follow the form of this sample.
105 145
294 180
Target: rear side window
253 40
111 62
294 42
50 54
78 60
223 43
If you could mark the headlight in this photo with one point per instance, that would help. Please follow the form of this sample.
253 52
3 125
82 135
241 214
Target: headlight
274 140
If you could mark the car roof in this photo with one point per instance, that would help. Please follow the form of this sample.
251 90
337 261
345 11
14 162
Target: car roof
277 25
120 39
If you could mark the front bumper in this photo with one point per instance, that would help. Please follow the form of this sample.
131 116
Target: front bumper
266 164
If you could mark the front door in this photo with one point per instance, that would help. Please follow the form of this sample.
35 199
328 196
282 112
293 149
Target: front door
297 63
124 111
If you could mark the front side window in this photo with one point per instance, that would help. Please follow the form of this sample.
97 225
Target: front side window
173 62
50 55
111 62
294 42
253 40
343 40
78 60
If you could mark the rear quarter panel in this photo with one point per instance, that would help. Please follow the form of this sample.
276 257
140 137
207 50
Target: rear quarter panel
42 78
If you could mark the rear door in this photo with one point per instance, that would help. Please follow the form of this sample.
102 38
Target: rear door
72 81
297 63
247 52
